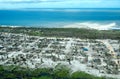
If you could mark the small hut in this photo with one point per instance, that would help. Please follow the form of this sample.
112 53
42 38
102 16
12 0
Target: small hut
1 47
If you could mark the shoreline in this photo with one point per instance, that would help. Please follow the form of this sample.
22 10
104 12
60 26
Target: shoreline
86 25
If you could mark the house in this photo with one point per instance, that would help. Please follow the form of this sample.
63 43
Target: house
1 47
85 49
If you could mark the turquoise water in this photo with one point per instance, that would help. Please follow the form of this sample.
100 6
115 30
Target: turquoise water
57 17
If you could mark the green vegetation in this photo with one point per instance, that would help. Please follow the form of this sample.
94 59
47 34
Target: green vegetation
65 32
60 72
82 75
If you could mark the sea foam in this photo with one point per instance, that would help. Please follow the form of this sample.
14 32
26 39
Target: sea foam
90 25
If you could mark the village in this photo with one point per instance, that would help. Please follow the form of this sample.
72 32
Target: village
99 57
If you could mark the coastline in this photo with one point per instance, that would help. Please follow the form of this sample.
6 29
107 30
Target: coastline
86 25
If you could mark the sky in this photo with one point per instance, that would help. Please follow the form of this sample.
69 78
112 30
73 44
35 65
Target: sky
21 4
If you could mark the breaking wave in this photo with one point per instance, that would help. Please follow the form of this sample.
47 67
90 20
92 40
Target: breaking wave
89 25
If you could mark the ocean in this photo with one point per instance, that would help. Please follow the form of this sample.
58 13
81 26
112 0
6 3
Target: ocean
60 17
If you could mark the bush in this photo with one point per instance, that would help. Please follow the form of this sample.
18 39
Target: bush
43 77
83 75
60 72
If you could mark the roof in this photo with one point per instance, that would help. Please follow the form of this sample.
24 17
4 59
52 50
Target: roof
1 46
85 49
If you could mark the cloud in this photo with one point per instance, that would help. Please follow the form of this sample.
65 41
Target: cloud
39 1
27 1
11 4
